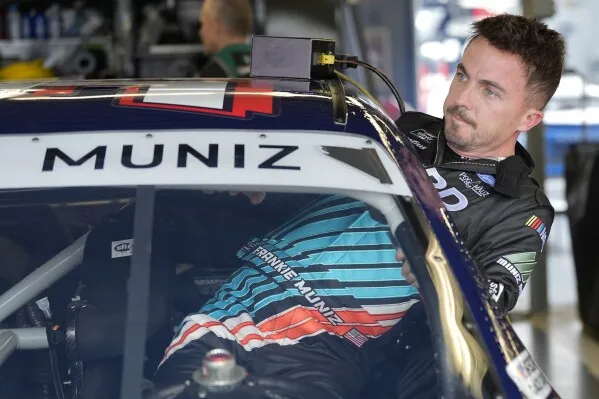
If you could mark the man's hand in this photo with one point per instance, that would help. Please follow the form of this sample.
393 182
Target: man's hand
405 269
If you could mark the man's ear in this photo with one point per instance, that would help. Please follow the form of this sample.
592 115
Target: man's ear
531 119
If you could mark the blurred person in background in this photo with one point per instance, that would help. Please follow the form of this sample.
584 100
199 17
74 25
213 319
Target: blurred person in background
225 27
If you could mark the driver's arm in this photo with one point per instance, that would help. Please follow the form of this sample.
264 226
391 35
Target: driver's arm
509 250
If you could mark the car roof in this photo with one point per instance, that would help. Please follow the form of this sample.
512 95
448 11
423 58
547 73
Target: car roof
249 104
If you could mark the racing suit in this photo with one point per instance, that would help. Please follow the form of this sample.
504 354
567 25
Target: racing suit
312 296
308 296
502 215
503 219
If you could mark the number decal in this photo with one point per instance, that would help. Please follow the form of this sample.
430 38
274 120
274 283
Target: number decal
237 100
41 91
453 199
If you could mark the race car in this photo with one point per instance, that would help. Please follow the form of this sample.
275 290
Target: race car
127 206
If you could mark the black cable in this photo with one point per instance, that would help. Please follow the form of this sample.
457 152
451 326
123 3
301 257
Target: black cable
56 337
38 319
54 366
346 61
400 102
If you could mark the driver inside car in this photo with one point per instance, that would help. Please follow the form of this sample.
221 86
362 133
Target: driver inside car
305 304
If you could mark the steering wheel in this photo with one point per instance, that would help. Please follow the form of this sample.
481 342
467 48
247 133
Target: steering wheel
221 378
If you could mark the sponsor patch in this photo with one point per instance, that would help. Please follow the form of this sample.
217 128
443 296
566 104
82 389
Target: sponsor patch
417 144
121 249
453 199
513 270
423 135
525 262
489 179
495 290
475 186
537 225
528 377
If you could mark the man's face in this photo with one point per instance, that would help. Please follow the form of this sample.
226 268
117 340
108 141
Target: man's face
487 101
209 27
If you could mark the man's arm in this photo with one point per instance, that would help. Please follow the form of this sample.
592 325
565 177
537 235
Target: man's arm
509 250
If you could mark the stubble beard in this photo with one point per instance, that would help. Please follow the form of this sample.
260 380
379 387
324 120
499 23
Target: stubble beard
457 141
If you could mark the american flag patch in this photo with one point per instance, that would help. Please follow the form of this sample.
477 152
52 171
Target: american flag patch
356 337
537 225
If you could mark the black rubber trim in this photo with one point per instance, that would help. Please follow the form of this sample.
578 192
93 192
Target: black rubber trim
364 159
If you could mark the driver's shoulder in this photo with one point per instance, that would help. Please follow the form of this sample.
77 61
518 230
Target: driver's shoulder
422 131
412 121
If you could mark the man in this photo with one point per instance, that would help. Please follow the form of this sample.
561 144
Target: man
508 73
225 27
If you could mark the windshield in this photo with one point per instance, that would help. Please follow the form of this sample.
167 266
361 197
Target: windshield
250 272
278 277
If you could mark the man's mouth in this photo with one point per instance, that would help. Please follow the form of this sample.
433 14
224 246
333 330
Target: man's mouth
459 119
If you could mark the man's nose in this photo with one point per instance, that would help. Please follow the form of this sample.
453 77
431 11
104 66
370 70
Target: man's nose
464 96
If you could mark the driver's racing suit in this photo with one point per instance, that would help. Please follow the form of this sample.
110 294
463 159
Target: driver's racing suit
311 296
502 215
308 296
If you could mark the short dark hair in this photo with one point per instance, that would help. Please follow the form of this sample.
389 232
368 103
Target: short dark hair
237 15
541 49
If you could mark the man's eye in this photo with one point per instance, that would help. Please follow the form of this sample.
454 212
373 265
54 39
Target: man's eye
489 93
460 76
